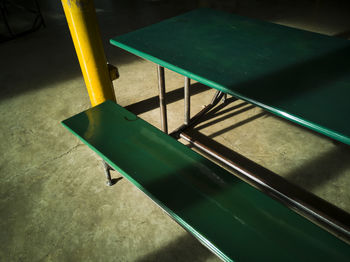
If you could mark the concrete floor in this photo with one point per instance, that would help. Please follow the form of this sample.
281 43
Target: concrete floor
54 205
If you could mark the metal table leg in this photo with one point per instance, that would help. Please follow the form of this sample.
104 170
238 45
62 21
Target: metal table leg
187 109
162 102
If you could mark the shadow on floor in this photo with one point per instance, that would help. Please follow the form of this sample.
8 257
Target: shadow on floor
49 55
116 180
235 113
184 248
243 122
315 173
50 62
322 169
171 97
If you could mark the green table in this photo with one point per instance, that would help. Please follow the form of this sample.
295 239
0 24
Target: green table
298 75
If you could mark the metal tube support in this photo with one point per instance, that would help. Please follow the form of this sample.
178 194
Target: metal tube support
82 22
187 95
338 229
194 120
162 102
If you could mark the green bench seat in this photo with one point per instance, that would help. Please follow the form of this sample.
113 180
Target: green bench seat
233 219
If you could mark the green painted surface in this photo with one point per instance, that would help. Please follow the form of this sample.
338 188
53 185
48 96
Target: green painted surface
233 219
301 76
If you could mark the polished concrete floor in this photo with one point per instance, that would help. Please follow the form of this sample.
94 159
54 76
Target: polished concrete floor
54 205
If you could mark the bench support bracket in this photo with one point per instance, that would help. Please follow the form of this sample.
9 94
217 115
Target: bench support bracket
107 170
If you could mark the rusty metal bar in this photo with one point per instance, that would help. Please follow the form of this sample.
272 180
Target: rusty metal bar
323 219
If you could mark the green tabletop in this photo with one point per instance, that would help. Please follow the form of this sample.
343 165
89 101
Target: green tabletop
298 75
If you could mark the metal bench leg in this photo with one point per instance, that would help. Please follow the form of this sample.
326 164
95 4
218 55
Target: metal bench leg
107 170
187 100
162 102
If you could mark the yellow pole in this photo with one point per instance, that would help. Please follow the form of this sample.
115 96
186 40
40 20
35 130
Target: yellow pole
82 22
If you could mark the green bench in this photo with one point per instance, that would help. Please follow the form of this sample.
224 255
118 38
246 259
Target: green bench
231 218
292 73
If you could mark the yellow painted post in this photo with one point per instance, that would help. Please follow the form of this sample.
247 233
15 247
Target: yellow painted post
82 22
